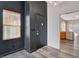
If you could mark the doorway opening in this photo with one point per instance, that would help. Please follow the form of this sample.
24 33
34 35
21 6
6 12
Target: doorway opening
69 32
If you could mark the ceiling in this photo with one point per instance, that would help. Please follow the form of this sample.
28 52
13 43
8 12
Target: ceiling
67 16
71 16
54 2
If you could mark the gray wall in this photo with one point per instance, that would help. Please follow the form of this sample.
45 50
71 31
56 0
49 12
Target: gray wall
9 46
32 9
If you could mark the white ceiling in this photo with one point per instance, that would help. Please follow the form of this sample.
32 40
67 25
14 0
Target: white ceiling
54 2
67 16
71 16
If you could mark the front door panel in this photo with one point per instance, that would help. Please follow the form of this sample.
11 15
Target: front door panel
40 32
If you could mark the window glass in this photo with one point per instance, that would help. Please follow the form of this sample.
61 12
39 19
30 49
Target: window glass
11 25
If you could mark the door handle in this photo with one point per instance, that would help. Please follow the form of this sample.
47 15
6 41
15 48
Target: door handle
37 33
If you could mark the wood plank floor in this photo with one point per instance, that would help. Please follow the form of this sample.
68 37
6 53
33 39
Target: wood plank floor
67 46
66 51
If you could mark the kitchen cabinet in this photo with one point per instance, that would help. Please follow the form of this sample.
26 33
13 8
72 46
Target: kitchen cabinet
63 35
67 35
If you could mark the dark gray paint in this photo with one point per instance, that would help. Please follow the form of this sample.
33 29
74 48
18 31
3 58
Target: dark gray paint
32 11
27 37
37 12
8 46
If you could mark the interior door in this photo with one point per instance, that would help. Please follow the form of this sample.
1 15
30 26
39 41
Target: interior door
40 31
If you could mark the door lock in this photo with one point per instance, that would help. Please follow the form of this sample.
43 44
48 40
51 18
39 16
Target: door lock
42 24
37 33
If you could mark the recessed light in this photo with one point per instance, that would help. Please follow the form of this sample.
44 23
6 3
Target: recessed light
55 3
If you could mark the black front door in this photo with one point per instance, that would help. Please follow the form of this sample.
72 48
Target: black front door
40 30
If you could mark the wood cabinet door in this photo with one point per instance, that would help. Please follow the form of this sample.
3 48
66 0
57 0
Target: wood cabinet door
63 35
